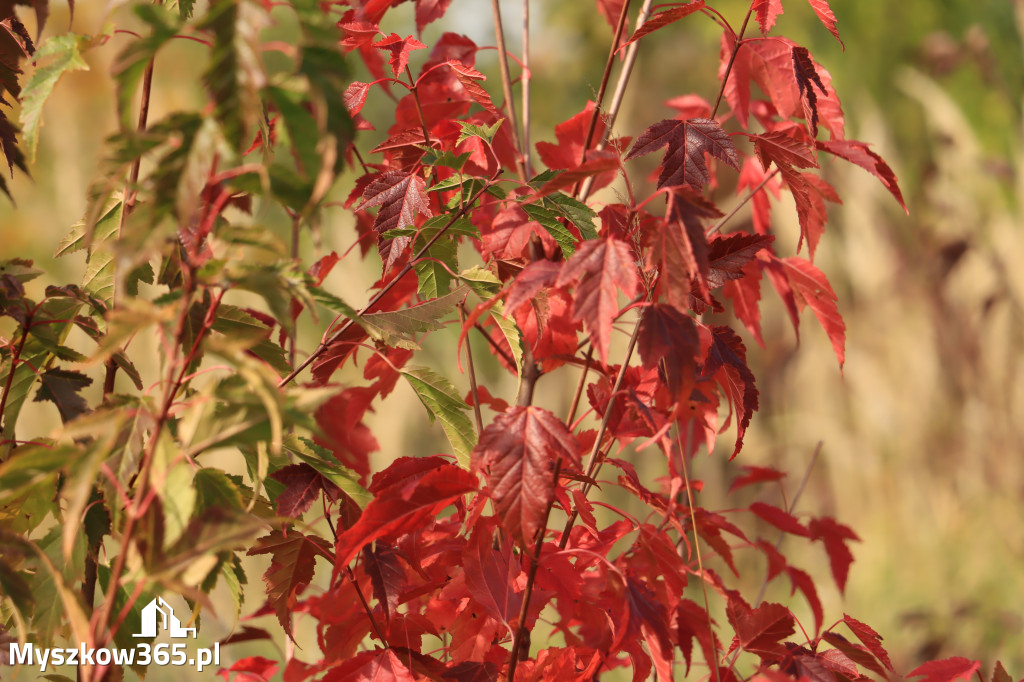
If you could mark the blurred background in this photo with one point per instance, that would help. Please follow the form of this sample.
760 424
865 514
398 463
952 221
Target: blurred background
923 441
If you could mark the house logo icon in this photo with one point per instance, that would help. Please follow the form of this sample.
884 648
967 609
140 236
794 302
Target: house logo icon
158 614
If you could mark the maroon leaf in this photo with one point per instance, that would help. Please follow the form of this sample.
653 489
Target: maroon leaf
469 76
835 536
291 568
860 154
681 252
688 141
599 267
402 507
999 673
745 294
946 670
780 518
729 254
784 150
61 387
386 575
855 652
303 484
727 363
806 77
668 336
802 581
517 453
663 19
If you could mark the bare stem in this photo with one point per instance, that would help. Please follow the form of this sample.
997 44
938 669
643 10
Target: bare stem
472 375
732 58
506 86
743 202
525 84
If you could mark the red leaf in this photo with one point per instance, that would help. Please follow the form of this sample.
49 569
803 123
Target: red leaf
835 536
491 576
371 666
856 653
999 673
610 10
871 639
824 12
400 196
303 484
355 97
860 154
692 623
250 669
663 19
428 11
806 77
469 76
784 150
745 293
780 518
402 507
756 474
485 397
668 336
341 420
386 575
802 581
291 568
946 670
680 249
752 175
600 163
727 363
761 630
599 267
767 11
811 288
399 48
688 141
571 135
517 454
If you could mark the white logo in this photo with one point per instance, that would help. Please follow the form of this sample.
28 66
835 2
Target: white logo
159 611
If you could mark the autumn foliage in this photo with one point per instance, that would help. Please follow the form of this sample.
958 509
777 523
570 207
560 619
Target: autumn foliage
510 554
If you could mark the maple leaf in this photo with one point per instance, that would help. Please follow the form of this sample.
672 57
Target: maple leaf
468 77
250 669
854 652
824 12
599 267
803 582
946 670
663 19
680 250
371 666
491 575
806 76
755 474
303 484
345 433
860 153
871 640
386 576
571 135
808 286
727 363
291 568
403 506
767 11
762 629
668 339
428 11
745 293
728 255
835 536
61 387
780 518
783 150
399 48
688 141
517 453
400 196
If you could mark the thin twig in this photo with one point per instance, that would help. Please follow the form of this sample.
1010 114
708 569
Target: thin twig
472 374
506 86
578 394
743 202
732 58
525 84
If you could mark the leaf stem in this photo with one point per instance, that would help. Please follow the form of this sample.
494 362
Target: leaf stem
525 84
735 209
732 58
506 86
472 375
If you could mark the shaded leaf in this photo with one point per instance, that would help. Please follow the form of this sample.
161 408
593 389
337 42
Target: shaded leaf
442 401
946 670
780 518
62 387
397 328
668 339
727 363
291 568
65 52
303 485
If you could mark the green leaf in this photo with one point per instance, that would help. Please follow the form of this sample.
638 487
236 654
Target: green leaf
486 285
578 213
327 465
66 53
235 74
214 488
131 63
396 328
551 221
442 401
485 133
